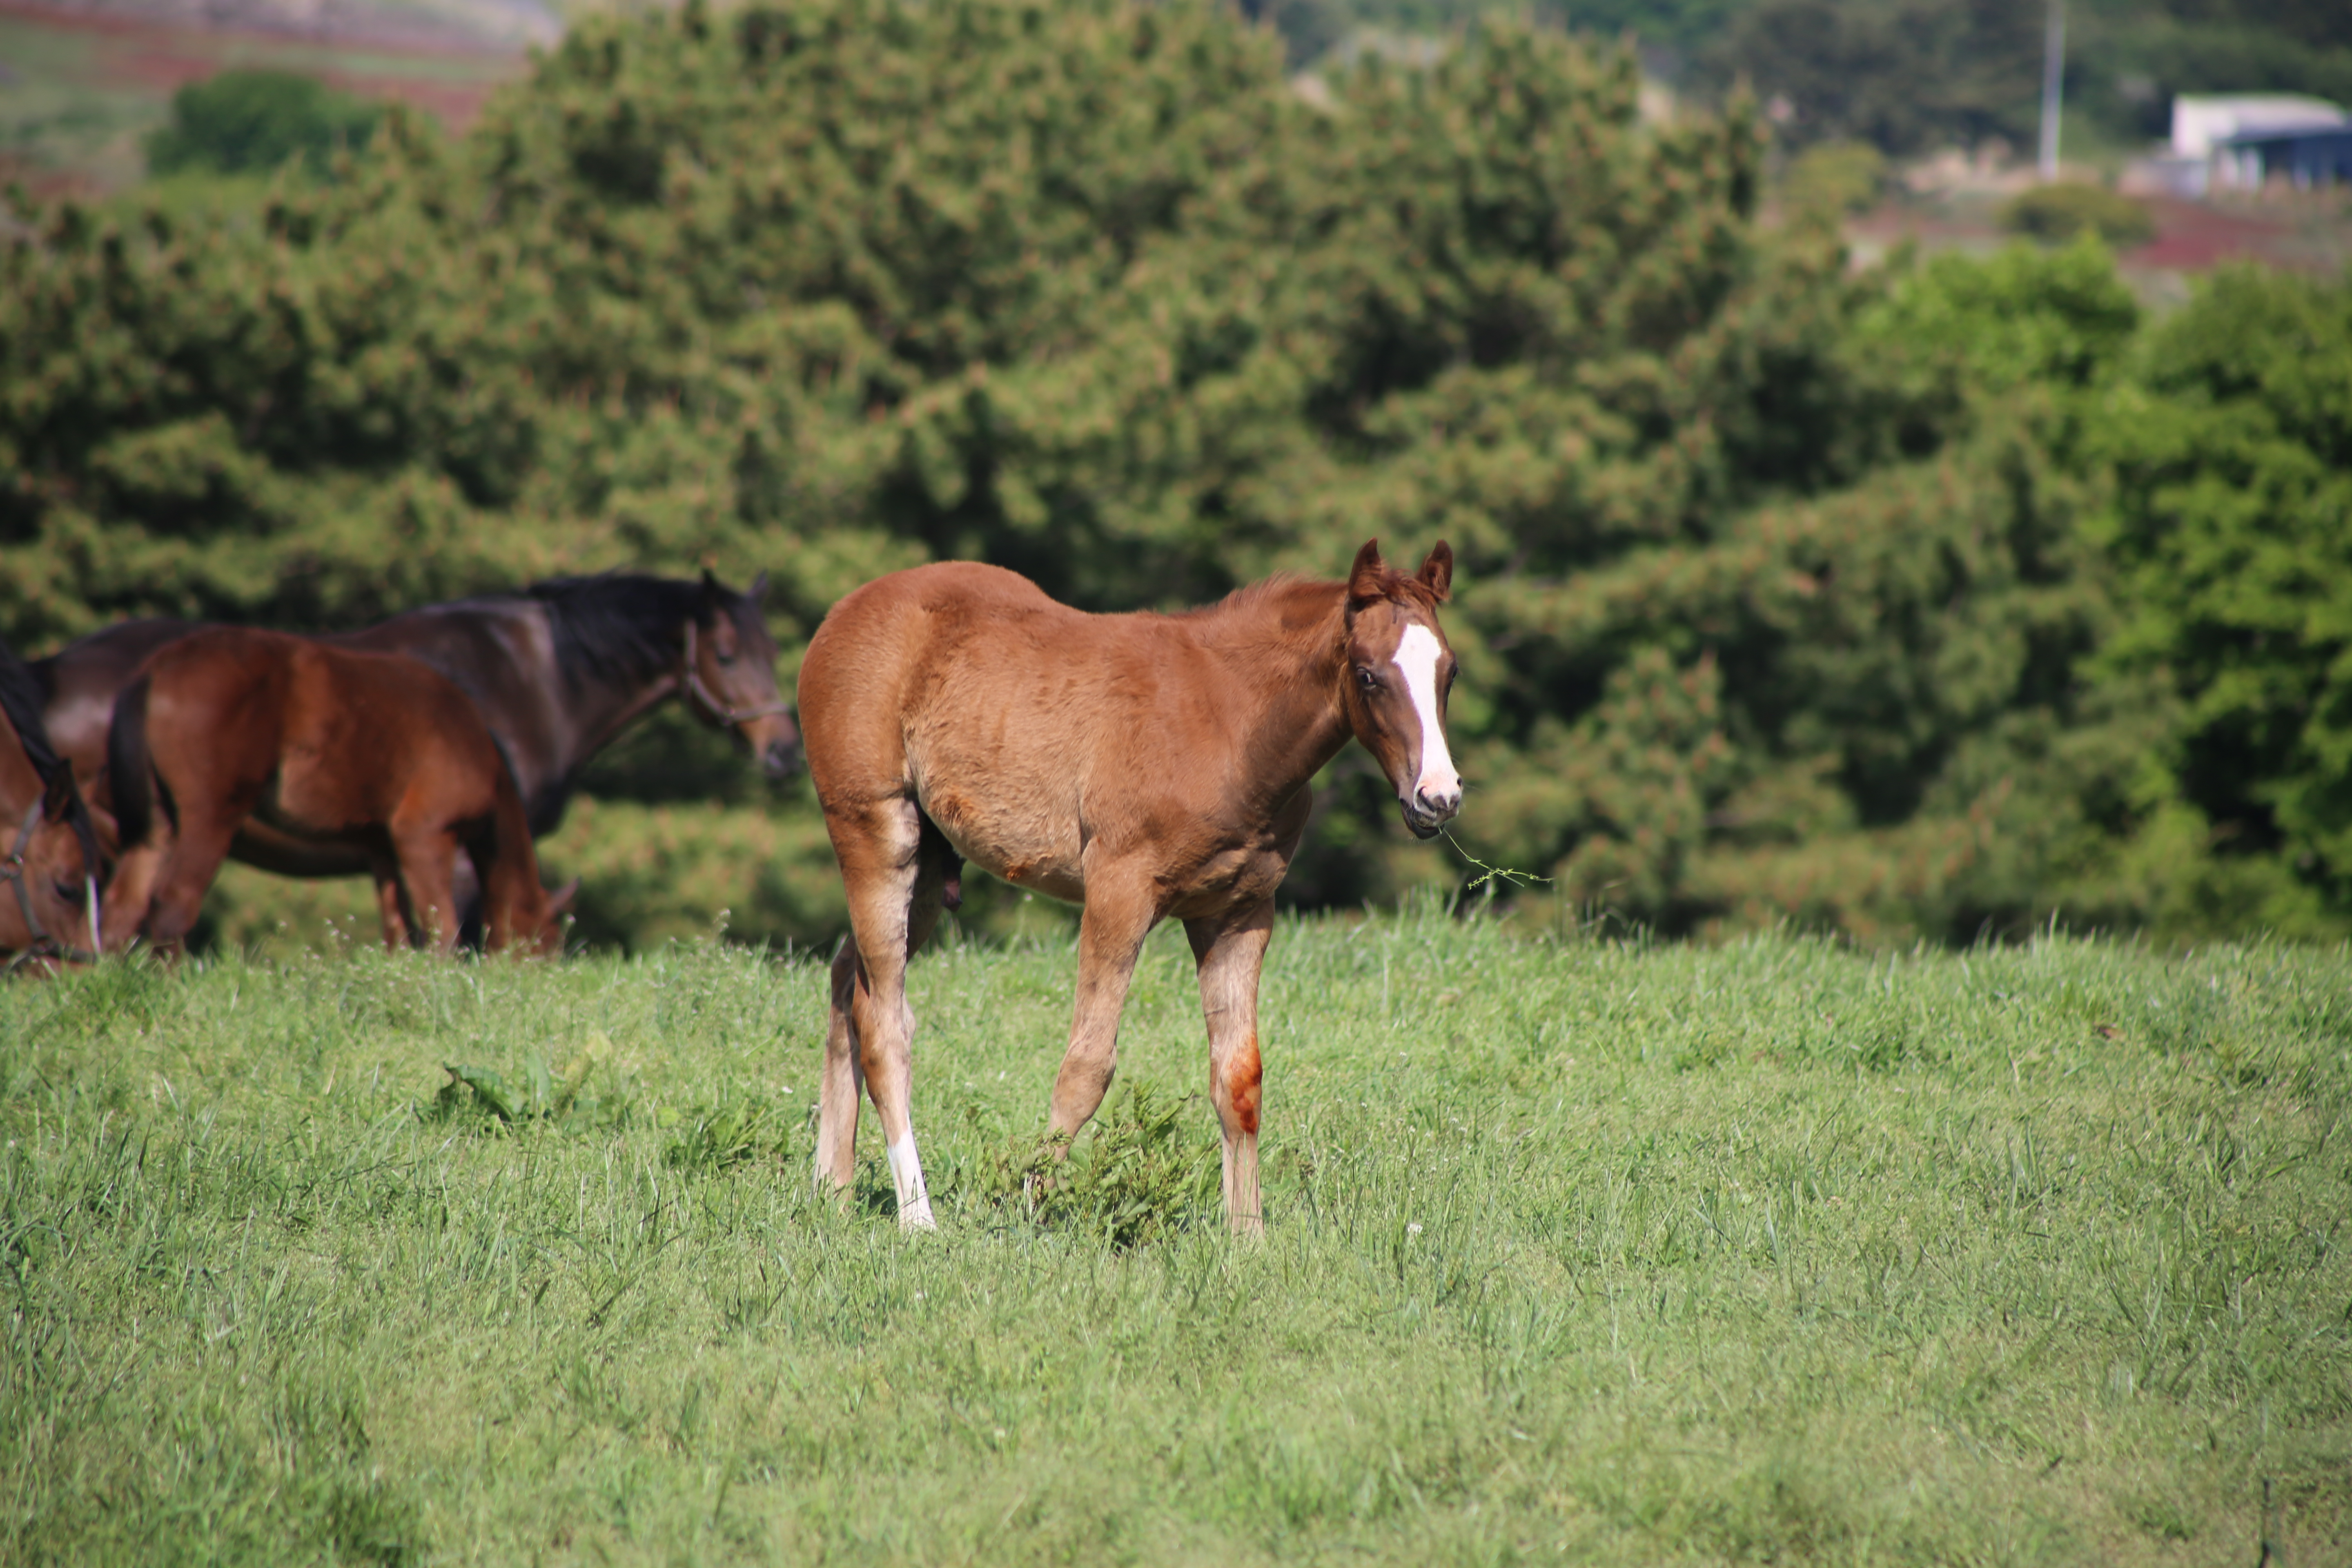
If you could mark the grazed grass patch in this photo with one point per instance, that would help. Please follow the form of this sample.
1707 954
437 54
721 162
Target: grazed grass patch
1576 1252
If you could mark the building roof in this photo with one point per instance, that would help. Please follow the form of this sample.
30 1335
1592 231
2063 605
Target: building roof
2201 121
2316 135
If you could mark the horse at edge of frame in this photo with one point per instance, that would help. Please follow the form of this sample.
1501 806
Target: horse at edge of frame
53 863
558 669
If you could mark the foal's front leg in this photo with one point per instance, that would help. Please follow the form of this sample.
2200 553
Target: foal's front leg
840 1081
390 902
1111 935
1231 950
426 856
128 893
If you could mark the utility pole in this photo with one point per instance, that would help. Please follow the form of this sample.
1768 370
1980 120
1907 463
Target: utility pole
2053 71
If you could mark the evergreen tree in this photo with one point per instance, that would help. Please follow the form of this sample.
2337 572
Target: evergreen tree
2232 526
1914 603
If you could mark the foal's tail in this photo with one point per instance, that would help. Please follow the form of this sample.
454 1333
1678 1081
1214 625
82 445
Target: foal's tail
130 771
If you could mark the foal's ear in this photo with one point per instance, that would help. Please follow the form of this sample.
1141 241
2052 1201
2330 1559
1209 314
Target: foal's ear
1438 571
1365 578
759 589
559 900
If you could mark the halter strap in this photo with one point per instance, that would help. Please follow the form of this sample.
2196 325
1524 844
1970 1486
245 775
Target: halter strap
44 945
701 696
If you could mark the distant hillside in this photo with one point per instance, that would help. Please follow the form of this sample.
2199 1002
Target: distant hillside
1910 75
457 26
82 84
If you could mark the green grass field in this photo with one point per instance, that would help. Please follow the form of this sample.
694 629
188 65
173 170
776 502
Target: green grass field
1577 1250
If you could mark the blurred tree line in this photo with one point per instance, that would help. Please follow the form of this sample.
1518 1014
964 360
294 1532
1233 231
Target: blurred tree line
1910 75
1924 602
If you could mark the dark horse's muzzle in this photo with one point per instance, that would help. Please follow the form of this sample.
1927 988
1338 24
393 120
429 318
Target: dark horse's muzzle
779 759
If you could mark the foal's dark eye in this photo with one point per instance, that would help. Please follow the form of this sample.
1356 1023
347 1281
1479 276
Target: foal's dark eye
1369 677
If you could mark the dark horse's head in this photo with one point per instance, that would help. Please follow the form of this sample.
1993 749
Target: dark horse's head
52 852
708 643
730 674
1399 672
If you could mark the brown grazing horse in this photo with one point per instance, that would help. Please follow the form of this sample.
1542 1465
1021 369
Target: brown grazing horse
558 671
52 865
368 755
1144 765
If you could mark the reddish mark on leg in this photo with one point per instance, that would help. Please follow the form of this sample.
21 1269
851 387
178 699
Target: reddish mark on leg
1242 1071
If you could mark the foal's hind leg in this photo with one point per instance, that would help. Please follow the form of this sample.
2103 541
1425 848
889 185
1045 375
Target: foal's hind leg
844 1077
879 849
839 1081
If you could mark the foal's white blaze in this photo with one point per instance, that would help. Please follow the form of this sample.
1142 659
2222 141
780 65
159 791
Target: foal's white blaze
1416 659
907 1175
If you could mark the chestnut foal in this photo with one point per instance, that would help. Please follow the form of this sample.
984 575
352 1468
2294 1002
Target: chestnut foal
372 754
1143 766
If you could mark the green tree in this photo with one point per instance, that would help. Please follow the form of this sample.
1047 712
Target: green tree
1781 591
243 122
2232 524
1880 721
1904 75
1836 178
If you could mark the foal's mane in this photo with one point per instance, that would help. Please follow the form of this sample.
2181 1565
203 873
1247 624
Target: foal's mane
1281 596
1304 601
1405 586
621 626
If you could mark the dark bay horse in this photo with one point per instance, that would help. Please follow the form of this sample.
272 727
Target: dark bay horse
52 862
1144 765
372 756
558 671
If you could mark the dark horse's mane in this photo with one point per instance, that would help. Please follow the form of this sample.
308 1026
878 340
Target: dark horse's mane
22 698
621 626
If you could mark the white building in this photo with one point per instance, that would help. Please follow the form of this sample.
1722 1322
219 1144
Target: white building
2201 120
2202 159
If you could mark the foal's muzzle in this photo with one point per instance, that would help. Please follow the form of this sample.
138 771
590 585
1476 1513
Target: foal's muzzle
1424 813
